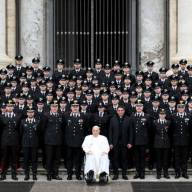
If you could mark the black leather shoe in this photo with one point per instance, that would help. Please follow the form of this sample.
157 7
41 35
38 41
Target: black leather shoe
150 167
142 176
184 175
115 177
89 177
56 177
26 178
69 177
49 177
3 177
34 177
14 177
166 176
158 176
124 177
103 178
177 176
78 177
136 176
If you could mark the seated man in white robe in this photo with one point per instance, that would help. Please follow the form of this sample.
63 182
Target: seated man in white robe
96 148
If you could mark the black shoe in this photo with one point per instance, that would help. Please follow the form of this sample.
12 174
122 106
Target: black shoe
78 177
115 177
49 177
14 177
136 176
103 178
89 177
184 175
142 176
124 177
166 176
177 176
56 177
69 177
3 177
26 178
34 177
150 167
158 176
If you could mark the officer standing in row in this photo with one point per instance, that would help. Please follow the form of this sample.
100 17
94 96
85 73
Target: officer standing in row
162 143
29 131
77 71
150 71
19 69
73 136
40 116
59 71
181 131
101 118
139 128
53 136
9 140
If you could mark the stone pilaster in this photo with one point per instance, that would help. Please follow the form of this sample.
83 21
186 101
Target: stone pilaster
180 30
11 28
32 30
152 28
4 59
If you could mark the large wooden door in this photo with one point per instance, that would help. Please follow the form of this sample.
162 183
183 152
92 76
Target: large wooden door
91 29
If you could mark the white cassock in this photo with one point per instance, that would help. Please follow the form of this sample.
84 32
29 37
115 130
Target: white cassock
96 149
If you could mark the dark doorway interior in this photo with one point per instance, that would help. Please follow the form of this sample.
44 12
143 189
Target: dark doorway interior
91 29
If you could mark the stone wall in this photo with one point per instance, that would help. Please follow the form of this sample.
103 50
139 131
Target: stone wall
34 32
180 30
152 28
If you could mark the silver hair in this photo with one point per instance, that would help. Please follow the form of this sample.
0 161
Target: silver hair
96 126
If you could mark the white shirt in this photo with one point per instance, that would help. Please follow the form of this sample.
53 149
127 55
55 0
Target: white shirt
10 115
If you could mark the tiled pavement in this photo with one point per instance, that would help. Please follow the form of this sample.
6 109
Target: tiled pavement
150 184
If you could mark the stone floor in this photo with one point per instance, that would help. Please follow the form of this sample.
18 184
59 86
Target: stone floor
150 184
148 178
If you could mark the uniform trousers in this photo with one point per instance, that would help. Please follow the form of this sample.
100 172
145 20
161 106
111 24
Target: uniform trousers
53 154
74 159
140 158
9 154
181 157
162 156
30 153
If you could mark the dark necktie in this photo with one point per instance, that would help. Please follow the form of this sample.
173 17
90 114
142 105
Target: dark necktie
162 121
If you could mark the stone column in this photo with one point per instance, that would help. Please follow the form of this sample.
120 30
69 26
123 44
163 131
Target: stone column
4 59
152 31
32 30
180 34
11 28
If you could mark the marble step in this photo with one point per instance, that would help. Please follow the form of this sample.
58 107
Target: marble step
63 170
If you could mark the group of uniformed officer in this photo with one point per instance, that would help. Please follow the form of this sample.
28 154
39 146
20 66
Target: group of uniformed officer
146 117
